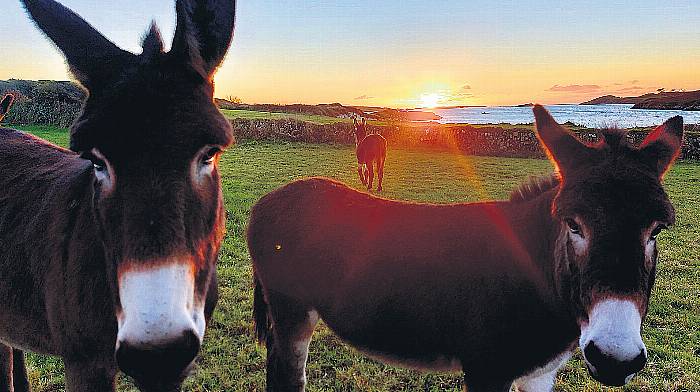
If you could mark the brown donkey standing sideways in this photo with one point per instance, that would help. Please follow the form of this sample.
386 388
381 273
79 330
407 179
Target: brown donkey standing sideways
501 290
369 149
108 252
5 105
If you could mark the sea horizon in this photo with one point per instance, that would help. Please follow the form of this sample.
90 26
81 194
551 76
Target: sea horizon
606 115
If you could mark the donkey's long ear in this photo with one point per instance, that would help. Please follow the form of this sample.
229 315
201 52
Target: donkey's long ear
204 32
92 58
663 145
560 145
5 104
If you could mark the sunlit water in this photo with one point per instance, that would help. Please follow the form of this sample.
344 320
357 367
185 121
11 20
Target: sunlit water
622 116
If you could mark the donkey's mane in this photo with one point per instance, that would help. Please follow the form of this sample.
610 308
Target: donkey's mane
533 187
614 138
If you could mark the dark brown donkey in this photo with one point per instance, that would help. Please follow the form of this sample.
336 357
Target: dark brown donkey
108 252
370 149
501 290
5 105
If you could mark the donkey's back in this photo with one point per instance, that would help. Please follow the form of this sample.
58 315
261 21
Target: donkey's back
41 185
371 149
31 167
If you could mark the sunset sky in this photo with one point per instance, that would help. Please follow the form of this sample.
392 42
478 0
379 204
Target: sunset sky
408 53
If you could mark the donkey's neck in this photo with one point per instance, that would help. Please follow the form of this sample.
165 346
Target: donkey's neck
538 231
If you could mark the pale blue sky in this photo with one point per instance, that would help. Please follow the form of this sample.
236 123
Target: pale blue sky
396 51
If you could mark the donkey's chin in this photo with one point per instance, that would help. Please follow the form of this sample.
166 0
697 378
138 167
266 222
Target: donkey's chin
159 366
160 385
159 369
609 380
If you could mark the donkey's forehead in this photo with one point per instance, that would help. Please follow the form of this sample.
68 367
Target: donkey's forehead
615 154
614 193
148 108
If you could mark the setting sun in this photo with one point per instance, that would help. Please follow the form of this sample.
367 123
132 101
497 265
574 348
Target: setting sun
430 100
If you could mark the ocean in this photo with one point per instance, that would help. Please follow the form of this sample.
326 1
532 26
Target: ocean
622 116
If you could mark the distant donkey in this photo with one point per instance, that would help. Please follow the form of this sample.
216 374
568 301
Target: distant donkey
370 149
108 252
5 105
502 290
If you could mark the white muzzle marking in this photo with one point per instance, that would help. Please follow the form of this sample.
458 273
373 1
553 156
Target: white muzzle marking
614 326
158 305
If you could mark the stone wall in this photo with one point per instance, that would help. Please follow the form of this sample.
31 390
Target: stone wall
493 141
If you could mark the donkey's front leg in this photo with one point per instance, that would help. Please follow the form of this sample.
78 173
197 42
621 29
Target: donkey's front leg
361 174
370 175
13 372
6 384
20 380
90 375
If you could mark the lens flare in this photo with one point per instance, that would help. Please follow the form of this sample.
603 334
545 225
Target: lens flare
430 100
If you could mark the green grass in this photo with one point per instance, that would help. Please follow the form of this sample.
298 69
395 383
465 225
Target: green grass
255 115
54 134
231 361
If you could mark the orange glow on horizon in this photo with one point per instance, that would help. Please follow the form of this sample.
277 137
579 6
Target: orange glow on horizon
430 101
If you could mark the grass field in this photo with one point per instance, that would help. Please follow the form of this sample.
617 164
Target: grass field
255 115
231 361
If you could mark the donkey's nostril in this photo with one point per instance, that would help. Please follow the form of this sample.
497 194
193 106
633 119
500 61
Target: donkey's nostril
164 361
593 354
638 363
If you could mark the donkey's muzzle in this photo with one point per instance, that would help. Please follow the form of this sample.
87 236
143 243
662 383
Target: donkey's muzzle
611 341
159 367
161 323
609 370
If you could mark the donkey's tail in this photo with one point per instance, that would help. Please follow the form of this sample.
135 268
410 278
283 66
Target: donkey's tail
260 313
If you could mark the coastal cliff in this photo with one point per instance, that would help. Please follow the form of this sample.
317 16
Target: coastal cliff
672 100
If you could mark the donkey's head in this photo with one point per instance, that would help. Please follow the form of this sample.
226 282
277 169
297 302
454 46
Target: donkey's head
154 135
360 129
610 208
5 105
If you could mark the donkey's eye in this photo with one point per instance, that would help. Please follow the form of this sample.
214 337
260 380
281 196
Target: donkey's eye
210 155
101 169
99 166
574 227
656 232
